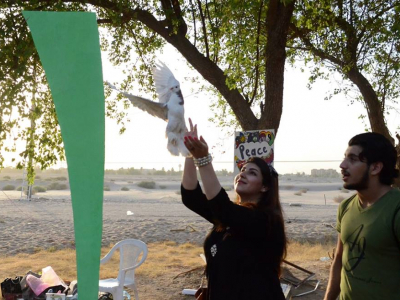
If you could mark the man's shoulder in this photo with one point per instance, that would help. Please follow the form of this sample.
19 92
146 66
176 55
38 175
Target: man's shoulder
347 201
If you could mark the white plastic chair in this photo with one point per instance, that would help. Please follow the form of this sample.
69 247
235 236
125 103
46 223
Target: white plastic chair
129 252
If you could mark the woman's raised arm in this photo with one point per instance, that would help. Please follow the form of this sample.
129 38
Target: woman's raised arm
202 159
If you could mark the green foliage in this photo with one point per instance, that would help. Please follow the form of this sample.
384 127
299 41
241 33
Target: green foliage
229 35
6 177
9 187
147 184
124 188
350 38
106 188
229 42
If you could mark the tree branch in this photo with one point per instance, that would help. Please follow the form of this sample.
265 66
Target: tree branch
204 28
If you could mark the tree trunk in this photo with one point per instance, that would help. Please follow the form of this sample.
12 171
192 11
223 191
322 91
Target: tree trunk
372 103
278 22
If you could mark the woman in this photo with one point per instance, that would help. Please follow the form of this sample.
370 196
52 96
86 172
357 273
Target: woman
247 243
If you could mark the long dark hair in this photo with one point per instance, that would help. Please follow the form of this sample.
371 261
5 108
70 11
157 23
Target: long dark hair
269 201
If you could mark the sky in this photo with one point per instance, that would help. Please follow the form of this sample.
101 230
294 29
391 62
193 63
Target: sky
313 132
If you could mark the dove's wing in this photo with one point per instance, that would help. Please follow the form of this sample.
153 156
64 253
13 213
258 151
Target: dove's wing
164 80
155 109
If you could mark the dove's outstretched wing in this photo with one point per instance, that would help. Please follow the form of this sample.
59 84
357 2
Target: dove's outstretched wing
156 109
164 80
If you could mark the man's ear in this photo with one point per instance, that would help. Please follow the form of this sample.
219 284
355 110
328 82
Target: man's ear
376 168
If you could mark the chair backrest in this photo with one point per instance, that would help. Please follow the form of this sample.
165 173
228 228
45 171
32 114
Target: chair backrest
129 253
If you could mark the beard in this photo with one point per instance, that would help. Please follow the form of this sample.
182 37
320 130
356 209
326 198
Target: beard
358 186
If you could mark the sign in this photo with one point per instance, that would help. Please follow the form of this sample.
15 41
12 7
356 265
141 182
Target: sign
258 143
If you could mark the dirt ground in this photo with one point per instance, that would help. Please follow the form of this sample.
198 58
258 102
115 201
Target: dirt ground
170 286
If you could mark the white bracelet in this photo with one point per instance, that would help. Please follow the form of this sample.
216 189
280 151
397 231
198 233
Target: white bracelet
201 162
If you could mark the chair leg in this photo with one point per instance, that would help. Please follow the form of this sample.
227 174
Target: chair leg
135 292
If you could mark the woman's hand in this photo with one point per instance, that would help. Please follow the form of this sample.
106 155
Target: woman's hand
197 147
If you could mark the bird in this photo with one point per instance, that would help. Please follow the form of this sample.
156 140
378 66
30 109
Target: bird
170 107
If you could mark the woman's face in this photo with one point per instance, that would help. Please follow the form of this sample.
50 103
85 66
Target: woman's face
248 183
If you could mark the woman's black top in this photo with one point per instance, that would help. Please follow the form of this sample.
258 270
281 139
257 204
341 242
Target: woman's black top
242 250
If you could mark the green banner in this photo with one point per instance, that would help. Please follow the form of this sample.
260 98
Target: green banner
69 49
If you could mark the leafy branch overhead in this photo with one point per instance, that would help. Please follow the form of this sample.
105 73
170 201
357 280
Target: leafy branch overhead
360 40
238 47
220 39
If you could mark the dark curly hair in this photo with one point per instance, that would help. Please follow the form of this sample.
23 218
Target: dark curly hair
377 148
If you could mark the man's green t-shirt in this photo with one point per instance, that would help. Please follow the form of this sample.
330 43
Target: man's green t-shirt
371 255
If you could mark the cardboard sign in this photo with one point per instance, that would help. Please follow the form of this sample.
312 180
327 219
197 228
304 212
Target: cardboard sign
258 143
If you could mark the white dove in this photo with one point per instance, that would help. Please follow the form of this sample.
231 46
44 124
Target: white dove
169 108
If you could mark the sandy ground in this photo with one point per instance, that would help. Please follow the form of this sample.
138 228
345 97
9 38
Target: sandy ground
158 215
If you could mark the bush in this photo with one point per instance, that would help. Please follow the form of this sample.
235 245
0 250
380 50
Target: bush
61 178
298 193
9 187
37 177
106 188
6 177
147 184
19 188
39 189
343 190
338 199
303 191
57 186
163 187
124 188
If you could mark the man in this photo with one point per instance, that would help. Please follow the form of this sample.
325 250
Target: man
367 259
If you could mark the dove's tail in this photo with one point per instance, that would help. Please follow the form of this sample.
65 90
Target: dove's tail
173 143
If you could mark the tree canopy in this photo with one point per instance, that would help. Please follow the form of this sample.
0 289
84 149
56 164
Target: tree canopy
238 47
358 39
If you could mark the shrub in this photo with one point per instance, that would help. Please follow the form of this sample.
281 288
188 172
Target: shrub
39 189
298 193
147 184
57 186
61 178
338 199
343 190
37 177
124 188
6 177
106 188
9 187
19 188
304 190
163 187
